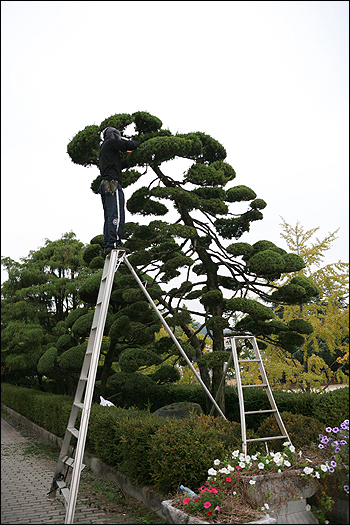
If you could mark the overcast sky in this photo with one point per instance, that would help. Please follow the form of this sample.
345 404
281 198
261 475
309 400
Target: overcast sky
268 80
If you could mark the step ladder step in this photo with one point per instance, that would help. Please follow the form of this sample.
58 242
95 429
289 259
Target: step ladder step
73 431
249 360
260 411
71 462
253 386
64 489
267 438
78 404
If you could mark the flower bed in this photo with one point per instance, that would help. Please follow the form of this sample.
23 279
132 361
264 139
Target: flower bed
243 488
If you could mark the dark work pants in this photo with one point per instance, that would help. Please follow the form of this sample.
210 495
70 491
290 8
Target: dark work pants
114 216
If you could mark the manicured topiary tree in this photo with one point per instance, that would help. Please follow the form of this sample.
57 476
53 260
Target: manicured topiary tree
197 241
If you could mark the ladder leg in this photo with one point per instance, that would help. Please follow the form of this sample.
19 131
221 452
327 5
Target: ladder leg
184 355
240 395
85 389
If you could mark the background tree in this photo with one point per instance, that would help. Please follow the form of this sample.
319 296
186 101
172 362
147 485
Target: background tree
324 355
192 254
36 298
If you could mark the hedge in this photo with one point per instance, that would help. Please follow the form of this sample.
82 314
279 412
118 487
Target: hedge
153 450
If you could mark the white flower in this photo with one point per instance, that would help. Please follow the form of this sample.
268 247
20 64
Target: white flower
308 470
252 482
308 508
286 443
234 492
247 459
287 464
235 453
216 461
241 464
254 458
292 448
261 465
224 471
212 472
266 505
324 468
317 474
230 469
279 471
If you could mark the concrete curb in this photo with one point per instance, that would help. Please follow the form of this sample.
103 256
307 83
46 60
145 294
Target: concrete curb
144 494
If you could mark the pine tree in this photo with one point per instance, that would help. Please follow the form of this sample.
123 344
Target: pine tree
194 254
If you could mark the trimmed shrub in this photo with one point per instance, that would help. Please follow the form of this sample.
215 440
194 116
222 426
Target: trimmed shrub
302 430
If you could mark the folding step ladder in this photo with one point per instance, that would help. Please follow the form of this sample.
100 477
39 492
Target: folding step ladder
86 384
265 384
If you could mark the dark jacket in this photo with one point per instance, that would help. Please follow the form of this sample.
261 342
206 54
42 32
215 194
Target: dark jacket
110 163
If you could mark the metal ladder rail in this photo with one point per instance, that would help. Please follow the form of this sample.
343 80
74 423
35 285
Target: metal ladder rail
170 333
86 382
265 385
87 378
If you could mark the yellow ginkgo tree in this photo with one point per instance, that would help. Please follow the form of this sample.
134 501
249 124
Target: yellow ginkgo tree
324 355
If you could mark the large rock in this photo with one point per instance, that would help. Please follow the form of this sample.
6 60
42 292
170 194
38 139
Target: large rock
182 410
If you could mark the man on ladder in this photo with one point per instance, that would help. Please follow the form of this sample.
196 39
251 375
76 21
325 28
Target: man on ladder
111 190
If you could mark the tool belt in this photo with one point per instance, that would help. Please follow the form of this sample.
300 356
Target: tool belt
111 186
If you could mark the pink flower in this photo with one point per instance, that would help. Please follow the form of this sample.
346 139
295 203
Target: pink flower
214 491
217 508
228 479
195 500
186 501
207 505
206 490
238 468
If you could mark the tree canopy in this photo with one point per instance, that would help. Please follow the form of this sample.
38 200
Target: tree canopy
196 248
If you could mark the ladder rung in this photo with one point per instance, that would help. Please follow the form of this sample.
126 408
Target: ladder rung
248 386
83 378
94 327
260 411
71 462
64 489
267 438
78 404
249 360
73 431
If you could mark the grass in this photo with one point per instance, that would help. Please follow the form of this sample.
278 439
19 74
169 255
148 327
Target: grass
96 492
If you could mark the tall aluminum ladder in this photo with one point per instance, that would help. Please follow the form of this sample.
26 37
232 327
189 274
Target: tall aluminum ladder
86 384
265 385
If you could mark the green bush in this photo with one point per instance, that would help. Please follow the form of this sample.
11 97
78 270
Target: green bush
181 450
302 430
332 407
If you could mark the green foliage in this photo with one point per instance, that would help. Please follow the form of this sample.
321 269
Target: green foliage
240 193
132 389
74 315
82 325
84 148
181 450
48 362
132 359
240 248
298 290
332 407
90 252
72 359
250 307
166 374
301 326
302 430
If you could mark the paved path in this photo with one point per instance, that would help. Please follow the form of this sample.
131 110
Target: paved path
25 481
